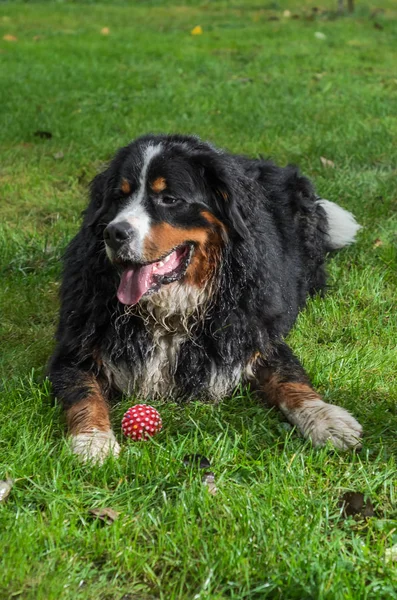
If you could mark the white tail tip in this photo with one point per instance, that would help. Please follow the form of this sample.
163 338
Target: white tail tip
342 226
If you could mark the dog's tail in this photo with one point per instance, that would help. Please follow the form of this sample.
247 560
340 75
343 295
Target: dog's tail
342 226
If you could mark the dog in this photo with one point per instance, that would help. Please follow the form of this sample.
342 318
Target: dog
190 268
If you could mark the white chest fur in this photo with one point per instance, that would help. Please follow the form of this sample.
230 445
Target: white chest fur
156 378
170 316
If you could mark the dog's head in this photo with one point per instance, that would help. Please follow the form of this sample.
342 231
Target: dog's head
167 206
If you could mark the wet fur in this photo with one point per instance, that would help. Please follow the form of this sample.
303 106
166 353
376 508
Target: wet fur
202 339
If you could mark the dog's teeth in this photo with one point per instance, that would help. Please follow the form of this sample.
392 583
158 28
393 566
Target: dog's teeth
167 258
160 264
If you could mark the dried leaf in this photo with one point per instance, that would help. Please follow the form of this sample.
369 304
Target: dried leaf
353 504
10 38
5 489
378 26
36 38
326 162
377 243
45 135
391 554
197 460
209 480
105 31
198 30
105 514
287 13
58 155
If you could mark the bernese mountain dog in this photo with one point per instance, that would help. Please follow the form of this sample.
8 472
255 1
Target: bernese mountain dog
190 268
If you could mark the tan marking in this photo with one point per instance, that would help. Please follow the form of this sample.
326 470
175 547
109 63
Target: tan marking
251 368
90 413
96 355
291 395
163 238
208 216
159 184
204 264
254 359
125 186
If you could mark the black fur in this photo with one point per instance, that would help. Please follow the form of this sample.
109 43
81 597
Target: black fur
272 262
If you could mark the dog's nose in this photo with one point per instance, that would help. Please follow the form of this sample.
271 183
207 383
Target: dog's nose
116 234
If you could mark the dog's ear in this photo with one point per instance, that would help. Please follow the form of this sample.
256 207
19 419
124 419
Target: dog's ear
99 187
226 190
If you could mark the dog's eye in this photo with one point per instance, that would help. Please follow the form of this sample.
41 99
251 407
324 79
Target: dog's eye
168 200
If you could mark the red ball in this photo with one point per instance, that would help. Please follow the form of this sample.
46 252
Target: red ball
141 422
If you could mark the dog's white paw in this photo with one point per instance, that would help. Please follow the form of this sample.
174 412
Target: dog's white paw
95 446
322 422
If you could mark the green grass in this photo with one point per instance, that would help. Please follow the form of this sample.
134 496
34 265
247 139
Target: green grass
255 85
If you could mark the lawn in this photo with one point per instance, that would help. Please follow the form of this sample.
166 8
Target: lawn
295 87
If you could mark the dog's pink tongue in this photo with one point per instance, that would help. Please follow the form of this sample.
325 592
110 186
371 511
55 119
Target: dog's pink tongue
134 283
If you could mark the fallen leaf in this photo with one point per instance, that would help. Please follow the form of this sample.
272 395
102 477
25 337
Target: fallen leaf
320 36
353 504
45 135
391 554
105 31
10 38
326 162
197 460
198 30
105 514
36 38
58 155
378 26
377 243
5 489
209 481
287 13
273 18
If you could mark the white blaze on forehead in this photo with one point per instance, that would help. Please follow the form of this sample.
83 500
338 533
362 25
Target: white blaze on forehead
134 211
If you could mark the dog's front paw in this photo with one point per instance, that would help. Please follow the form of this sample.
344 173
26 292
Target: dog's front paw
95 446
321 422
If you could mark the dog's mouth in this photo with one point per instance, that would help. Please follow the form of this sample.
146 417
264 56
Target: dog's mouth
138 280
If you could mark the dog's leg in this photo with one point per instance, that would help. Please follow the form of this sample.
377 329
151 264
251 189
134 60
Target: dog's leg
87 412
284 383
